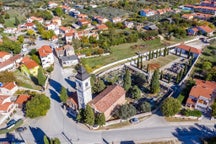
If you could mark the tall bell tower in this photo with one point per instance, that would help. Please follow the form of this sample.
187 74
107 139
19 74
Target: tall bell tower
83 87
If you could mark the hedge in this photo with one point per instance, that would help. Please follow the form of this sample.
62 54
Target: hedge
18 124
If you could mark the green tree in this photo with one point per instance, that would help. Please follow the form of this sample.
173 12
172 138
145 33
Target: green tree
126 111
161 75
149 55
47 34
30 32
37 106
41 77
36 58
139 79
17 22
144 107
135 92
58 11
7 16
127 80
89 116
20 38
213 109
63 95
46 140
80 115
155 85
170 106
178 78
2 21
100 85
206 65
100 119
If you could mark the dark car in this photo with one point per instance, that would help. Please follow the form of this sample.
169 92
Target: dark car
134 120
20 129
11 122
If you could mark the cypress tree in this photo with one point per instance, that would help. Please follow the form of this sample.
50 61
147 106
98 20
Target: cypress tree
164 53
149 55
127 80
17 22
89 116
155 85
100 119
161 75
152 55
141 66
138 62
41 77
189 53
63 95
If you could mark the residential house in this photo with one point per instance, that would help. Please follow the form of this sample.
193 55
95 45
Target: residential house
188 16
69 36
30 25
11 63
82 16
151 27
185 49
54 39
206 30
57 20
6 107
101 27
29 66
33 18
129 24
202 16
52 5
205 9
75 26
8 88
147 12
84 22
100 19
4 56
108 100
46 56
22 99
116 20
64 30
74 13
163 11
202 95
192 31
66 56
208 3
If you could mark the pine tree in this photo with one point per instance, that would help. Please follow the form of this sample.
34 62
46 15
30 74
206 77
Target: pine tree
63 95
127 80
180 52
161 75
89 116
185 69
138 62
155 85
189 53
164 53
41 77
149 55
178 78
160 52
167 51
181 74
141 62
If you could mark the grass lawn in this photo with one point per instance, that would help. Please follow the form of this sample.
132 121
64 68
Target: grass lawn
122 51
172 119
162 60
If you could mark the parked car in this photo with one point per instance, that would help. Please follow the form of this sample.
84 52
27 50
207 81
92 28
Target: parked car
11 122
20 129
134 120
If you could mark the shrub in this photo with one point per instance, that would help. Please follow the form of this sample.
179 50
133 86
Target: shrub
188 112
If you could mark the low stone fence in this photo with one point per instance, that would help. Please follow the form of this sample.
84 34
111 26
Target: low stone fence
187 117
84 56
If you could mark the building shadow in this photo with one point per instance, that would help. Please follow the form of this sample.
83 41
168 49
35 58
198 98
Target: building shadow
194 134
71 83
127 142
11 139
38 135
56 85
54 95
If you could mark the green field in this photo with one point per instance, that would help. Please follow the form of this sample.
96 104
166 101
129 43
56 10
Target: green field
162 60
121 51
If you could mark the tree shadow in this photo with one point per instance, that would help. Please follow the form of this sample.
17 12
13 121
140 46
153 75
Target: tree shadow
193 134
11 139
38 134
57 86
71 83
54 95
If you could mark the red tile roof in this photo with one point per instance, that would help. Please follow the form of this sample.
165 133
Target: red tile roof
29 24
22 98
29 63
102 27
107 98
5 106
3 53
10 61
206 29
44 50
203 88
9 85
189 48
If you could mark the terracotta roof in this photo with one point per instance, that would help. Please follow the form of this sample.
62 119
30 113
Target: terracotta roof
9 85
10 60
102 27
22 98
5 106
107 98
29 24
3 53
69 34
44 50
29 63
187 16
189 48
190 101
203 88
206 29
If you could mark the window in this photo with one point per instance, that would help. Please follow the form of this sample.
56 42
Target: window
86 84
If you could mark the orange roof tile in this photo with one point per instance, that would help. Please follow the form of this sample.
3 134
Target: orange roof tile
206 29
189 48
22 98
3 53
5 106
44 50
102 27
29 63
107 98
9 85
